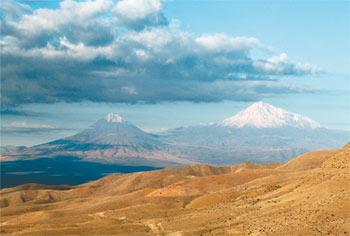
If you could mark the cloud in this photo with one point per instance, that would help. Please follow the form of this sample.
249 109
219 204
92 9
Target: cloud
156 131
14 112
102 51
23 127
78 21
138 14
280 65
13 10
221 43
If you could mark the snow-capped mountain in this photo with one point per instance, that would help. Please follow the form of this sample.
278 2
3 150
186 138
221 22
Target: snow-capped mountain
260 133
264 115
112 140
114 130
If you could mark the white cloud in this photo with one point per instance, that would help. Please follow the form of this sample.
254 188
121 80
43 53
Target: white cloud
137 14
44 23
281 59
12 9
138 9
279 65
312 69
26 128
223 43
154 38
24 125
156 131
274 64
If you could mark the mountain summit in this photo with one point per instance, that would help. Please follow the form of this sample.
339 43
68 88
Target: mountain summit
264 115
114 118
114 130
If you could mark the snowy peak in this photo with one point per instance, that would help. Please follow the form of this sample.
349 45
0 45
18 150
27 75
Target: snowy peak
264 115
114 118
113 130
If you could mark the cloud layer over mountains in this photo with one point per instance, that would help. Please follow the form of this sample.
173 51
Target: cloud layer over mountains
128 51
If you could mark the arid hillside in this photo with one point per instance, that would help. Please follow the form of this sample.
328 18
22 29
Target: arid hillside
308 195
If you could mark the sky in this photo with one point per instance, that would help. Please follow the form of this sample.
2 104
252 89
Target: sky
165 64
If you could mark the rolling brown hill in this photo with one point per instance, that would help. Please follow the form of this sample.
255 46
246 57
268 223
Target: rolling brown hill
308 195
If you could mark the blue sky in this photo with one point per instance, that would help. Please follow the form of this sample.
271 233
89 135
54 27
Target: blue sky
168 64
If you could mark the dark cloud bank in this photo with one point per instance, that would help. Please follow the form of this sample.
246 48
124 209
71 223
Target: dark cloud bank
103 51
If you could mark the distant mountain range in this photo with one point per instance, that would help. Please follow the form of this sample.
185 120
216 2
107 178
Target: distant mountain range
260 133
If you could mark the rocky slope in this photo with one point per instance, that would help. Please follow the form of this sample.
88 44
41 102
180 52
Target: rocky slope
305 196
